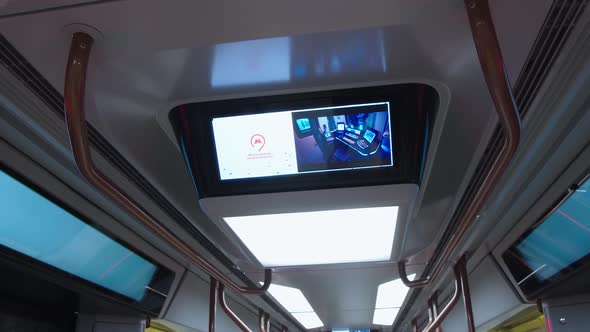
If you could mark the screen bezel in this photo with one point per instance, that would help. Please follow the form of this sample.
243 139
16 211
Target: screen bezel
161 282
410 106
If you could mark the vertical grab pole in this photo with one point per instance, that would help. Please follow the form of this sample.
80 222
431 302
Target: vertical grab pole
214 285
433 309
462 265
263 321
228 311
437 321
461 288
414 325
267 323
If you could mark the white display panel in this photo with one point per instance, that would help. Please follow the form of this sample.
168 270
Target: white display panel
303 141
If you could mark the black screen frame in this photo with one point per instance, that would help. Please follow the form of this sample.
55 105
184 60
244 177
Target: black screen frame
412 107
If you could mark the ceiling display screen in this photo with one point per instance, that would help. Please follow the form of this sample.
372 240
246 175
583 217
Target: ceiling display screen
303 141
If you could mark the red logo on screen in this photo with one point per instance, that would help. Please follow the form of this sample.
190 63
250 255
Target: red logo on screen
257 141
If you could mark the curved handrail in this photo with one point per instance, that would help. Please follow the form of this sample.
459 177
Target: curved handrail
261 324
433 309
78 135
492 64
263 321
228 311
466 295
437 321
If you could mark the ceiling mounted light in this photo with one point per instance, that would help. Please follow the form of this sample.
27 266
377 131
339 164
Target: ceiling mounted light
385 316
309 320
318 237
390 297
392 294
293 300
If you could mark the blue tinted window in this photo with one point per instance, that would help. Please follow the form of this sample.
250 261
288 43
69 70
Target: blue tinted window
38 228
559 241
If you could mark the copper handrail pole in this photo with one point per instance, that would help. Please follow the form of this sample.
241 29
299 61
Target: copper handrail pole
431 314
263 321
213 289
433 309
461 288
267 323
466 295
74 91
492 64
437 321
228 311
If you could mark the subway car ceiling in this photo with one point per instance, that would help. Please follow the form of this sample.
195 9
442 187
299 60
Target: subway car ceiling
296 165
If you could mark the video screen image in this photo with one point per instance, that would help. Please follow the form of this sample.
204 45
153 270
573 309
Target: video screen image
344 139
301 141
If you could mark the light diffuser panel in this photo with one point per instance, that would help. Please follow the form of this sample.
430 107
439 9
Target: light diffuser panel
291 298
385 316
319 237
309 320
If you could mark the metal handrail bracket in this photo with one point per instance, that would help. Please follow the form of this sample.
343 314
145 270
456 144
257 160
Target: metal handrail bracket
74 91
492 64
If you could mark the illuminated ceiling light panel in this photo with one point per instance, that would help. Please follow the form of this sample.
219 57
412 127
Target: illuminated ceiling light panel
390 297
292 299
309 320
319 237
392 294
385 316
